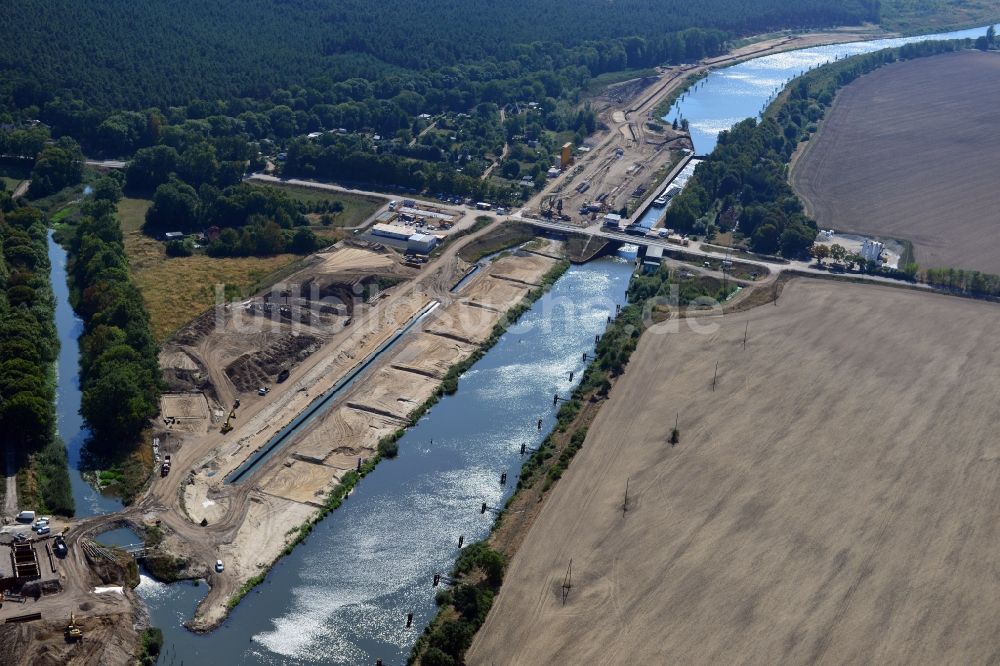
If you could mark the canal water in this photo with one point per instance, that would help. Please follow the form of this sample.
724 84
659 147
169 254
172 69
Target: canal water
342 596
727 96
69 423
653 214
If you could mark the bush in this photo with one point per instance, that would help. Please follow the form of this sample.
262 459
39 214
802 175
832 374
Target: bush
435 657
152 644
388 447
179 248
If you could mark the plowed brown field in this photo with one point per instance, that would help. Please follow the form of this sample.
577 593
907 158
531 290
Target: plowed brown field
911 151
833 500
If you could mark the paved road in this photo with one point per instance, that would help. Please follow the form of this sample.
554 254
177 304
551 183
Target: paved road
776 267
596 229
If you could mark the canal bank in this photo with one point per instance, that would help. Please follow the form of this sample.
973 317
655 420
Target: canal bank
342 596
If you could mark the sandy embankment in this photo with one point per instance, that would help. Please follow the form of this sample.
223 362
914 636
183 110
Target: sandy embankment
307 469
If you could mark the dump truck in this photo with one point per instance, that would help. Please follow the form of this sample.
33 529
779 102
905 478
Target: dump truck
165 467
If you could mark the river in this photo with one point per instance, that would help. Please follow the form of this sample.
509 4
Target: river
343 595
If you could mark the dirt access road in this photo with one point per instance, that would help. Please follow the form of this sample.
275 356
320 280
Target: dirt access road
832 501
911 152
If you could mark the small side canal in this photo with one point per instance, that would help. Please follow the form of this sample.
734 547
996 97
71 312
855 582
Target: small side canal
69 423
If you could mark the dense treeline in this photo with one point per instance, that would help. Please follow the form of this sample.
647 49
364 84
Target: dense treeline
967 282
746 179
57 166
242 220
189 49
338 160
481 571
119 369
747 169
28 350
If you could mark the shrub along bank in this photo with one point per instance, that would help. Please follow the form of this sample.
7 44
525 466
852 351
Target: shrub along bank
28 350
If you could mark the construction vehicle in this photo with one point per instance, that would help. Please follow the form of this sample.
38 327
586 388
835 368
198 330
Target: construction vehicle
73 631
60 546
165 467
228 426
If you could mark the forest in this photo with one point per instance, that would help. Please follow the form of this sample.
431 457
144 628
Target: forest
220 84
184 50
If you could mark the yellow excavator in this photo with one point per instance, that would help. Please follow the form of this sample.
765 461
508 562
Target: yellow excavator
73 631
228 426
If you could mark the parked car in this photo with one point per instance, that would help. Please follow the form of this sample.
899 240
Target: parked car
44 529
219 566
41 522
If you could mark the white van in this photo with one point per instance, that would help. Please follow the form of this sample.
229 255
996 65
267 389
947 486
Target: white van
26 517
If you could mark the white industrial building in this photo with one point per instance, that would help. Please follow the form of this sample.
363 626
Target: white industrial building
392 231
421 244
613 220
871 250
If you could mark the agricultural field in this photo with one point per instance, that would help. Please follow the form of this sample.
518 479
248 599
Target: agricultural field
809 513
911 152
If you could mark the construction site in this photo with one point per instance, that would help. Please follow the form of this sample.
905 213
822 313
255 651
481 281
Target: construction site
264 416
69 597
633 152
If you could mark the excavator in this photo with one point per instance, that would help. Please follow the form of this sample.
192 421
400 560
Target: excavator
73 631
228 426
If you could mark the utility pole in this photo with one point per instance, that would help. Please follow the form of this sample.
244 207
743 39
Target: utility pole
625 502
567 581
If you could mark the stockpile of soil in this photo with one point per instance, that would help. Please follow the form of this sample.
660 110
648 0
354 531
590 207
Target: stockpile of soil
251 371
